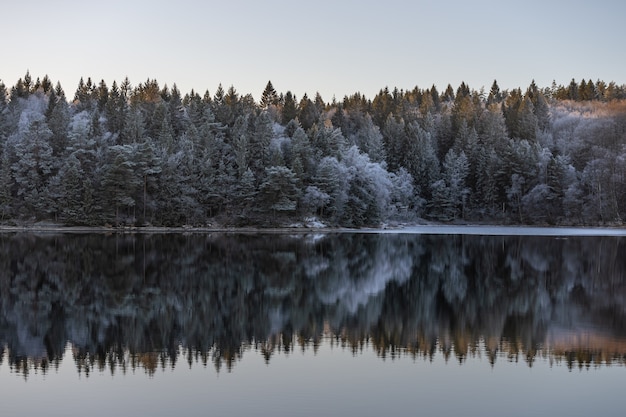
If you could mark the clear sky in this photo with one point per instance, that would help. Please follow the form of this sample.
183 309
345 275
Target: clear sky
335 47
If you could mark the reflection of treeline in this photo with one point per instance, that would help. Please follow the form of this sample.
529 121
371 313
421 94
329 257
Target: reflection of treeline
150 301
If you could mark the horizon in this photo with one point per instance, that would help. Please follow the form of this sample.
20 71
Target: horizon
257 97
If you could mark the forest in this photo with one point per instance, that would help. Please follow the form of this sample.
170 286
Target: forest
147 155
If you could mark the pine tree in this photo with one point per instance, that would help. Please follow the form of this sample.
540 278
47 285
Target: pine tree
241 144
369 139
115 110
420 159
382 106
58 118
495 96
269 96
260 143
6 184
307 113
71 193
148 166
395 141
119 184
279 193
332 179
527 120
102 95
290 110
33 166
4 114
510 110
134 127
245 196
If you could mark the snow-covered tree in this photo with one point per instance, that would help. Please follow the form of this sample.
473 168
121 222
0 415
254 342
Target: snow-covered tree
33 164
278 192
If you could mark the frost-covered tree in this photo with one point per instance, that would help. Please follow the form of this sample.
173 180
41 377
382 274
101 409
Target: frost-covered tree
420 159
369 139
450 194
119 185
260 142
395 141
278 192
327 141
33 164
246 192
527 124
308 113
331 179
240 139
405 199
6 184
369 189
74 202
290 109
314 200
115 110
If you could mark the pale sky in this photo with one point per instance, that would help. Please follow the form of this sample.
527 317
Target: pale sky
334 47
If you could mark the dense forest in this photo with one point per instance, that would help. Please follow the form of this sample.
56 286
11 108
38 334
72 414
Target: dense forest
124 155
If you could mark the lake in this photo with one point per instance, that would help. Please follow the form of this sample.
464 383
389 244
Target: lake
278 324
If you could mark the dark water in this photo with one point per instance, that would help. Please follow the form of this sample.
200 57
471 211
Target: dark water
338 324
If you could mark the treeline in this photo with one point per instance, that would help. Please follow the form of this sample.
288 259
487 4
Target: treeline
148 155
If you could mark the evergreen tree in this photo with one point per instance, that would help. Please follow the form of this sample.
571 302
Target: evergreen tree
290 110
327 141
269 96
74 203
420 159
308 114
279 193
495 96
33 165
148 165
102 95
396 141
510 110
58 118
527 121
382 106
119 185
302 156
4 114
176 111
6 184
246 193
241 144
134 127
115 110
332 179
369 140
260 143
450 193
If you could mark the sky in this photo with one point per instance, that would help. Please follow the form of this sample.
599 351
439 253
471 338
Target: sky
336 48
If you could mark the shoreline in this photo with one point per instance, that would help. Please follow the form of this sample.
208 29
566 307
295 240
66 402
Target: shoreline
424 229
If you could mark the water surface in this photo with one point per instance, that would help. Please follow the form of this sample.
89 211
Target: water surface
332 324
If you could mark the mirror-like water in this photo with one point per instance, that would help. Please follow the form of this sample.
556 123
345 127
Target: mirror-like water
335 324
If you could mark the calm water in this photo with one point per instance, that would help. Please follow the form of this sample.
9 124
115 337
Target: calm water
337 324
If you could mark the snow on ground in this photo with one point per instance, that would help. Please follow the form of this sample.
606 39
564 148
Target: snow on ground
507 231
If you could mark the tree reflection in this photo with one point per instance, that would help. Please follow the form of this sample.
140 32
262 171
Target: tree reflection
127 302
